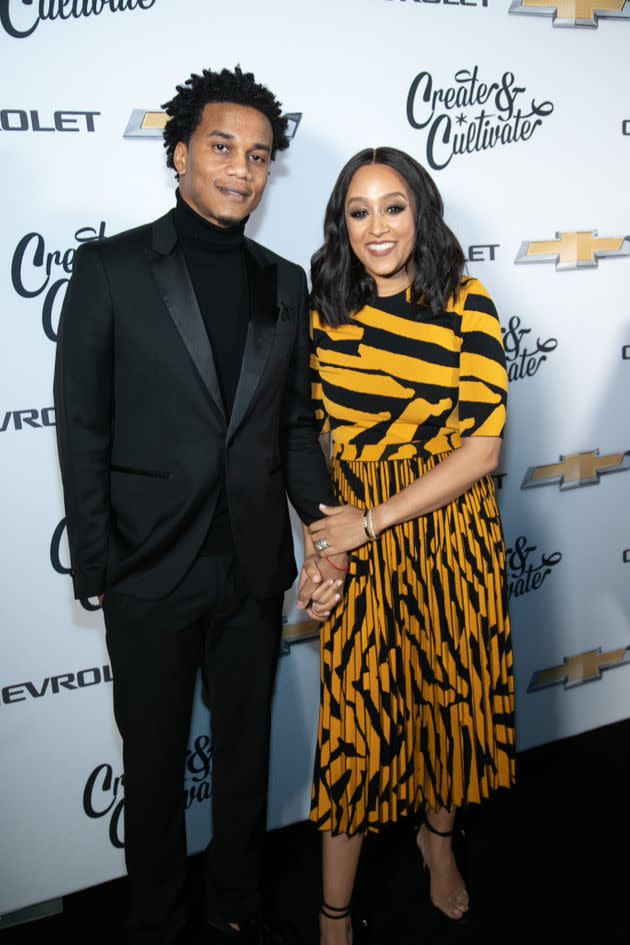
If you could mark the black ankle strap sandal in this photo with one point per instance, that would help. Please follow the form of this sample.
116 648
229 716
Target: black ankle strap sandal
335 912
432 829
359 924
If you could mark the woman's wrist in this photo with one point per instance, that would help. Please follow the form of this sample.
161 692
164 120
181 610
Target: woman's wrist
381 518
371 524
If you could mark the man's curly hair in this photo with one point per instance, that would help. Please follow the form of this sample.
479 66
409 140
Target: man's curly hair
238 87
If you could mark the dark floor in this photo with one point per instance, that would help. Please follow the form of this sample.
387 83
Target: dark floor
538 862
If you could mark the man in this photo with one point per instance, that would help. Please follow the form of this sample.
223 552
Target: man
184 420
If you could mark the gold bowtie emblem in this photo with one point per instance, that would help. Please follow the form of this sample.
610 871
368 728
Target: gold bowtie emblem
579 669
150 124
574 12
145 124
576 469
578 250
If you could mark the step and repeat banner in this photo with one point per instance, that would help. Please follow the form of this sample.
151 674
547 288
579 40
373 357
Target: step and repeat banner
521 113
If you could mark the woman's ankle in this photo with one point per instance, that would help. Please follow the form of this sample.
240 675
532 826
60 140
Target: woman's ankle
335 931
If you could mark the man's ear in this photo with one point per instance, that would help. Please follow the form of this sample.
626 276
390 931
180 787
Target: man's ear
179 158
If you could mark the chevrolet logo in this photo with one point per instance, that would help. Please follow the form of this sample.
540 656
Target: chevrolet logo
144 124
574 12
148 124
579 250
576 469
298 633
580 669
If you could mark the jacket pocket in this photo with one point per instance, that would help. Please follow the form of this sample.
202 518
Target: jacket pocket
136 471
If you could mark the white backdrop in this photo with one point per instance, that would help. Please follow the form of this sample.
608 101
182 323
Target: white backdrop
560 110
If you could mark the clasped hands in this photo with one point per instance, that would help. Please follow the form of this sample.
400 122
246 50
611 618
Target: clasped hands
324 572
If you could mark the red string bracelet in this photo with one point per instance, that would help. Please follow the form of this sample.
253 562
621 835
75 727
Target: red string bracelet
336 568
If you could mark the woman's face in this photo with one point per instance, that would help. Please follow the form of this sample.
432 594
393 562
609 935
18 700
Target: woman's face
381 226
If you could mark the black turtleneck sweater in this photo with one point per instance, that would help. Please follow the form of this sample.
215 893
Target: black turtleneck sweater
215 258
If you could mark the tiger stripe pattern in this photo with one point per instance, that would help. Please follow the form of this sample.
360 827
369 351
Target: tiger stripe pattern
417 689
391 386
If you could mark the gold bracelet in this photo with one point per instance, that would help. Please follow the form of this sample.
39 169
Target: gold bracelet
371 525
366 521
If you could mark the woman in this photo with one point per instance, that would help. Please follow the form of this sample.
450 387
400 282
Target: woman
409 378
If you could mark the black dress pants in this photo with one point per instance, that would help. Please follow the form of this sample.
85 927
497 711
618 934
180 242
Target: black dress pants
156 648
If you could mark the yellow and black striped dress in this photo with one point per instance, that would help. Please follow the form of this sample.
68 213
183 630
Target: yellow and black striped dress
417 691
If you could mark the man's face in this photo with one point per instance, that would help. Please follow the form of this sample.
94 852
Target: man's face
224 167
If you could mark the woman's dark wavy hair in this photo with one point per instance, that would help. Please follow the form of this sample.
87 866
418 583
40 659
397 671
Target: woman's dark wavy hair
239 88
341 286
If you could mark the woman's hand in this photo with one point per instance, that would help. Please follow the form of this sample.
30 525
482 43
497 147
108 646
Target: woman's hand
324 599
341 529
321 586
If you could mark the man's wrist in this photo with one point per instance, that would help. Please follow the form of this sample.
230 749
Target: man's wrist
340 563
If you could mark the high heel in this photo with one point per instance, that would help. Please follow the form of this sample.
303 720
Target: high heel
457 901
358 924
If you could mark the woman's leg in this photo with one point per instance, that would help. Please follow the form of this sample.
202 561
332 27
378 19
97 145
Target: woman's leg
447 888
340 858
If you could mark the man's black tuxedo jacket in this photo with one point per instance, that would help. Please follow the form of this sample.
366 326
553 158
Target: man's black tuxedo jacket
143 438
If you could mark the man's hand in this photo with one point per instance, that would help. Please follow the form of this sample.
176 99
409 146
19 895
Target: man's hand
321 585
310 578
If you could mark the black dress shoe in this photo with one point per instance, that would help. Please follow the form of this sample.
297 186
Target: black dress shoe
272 933
260 931
222 933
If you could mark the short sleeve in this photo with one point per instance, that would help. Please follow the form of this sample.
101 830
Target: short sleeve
482 368
322 419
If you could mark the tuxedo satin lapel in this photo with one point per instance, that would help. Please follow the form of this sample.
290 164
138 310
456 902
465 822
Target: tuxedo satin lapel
263 307
173 281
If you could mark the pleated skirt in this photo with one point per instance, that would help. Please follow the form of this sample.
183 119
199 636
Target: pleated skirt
417 689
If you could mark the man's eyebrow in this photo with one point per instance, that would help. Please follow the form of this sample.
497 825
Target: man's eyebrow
395 193
217 133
